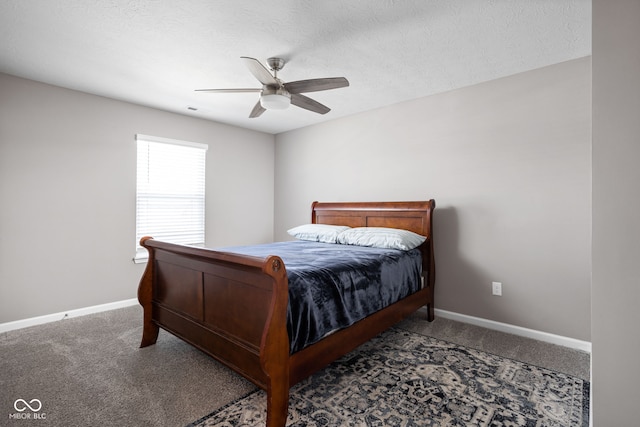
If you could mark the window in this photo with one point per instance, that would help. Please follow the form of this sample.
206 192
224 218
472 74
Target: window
170 192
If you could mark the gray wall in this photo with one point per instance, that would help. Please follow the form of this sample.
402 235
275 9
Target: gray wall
616 207
509 165
68 186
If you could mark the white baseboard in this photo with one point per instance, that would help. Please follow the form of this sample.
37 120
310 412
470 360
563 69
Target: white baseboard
485 323
517 330
33 321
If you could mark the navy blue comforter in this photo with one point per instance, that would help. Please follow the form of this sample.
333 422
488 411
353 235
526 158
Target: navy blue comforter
332 286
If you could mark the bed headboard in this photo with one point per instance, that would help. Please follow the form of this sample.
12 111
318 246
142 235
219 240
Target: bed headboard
412 216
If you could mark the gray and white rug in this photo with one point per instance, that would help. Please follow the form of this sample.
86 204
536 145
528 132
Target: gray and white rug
404 379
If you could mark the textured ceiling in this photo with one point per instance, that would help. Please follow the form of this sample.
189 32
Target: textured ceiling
156 52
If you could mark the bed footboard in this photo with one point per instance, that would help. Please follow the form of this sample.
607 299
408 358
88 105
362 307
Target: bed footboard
232 307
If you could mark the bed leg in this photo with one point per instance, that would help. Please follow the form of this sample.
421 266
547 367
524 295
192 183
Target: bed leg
277 406
149 330
430 313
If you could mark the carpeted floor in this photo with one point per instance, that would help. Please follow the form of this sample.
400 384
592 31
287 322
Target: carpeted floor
90 371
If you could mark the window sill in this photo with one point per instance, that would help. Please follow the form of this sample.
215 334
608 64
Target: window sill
140 259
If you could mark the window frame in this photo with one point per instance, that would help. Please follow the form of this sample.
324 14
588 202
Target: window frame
193 197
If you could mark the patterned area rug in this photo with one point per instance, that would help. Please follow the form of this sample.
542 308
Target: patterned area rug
405 379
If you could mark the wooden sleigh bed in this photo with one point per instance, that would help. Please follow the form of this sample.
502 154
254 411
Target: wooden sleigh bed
234 307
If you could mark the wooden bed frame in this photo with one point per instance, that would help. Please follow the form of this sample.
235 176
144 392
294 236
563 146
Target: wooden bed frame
234 307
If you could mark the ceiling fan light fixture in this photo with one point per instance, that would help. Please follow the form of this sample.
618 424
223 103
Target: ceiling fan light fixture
278 99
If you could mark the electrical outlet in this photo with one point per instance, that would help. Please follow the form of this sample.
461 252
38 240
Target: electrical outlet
496 288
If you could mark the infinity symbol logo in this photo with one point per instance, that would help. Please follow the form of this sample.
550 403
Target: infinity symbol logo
24 405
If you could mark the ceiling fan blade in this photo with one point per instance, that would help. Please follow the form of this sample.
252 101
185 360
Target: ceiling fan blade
308 104
228 90
258 109
259 71
315 85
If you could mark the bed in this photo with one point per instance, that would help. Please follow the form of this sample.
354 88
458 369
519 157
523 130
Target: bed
235 306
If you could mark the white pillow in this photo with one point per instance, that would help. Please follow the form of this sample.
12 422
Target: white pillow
324 233
381 237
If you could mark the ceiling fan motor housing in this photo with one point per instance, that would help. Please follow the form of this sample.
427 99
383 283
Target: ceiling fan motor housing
276 64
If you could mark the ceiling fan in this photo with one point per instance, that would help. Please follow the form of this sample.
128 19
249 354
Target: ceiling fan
278 95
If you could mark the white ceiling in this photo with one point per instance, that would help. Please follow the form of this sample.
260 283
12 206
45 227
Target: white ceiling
156 52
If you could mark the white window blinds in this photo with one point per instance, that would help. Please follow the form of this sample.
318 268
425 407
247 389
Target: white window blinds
170 191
